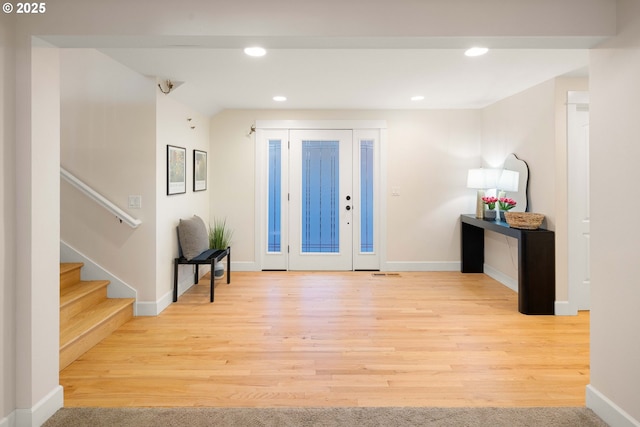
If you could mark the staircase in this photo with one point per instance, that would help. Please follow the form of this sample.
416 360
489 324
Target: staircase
87 316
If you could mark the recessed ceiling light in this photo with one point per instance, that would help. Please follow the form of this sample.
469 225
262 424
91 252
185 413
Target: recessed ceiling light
476 51
280 98
255 51
417 98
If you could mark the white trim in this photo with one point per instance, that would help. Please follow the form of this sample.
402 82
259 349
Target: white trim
420 266
508 281
382 211
243 266
154 308
610 413
41 411
99 199
9 420
321 124
565 308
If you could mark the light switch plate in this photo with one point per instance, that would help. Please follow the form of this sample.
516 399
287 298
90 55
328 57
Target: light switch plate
135 202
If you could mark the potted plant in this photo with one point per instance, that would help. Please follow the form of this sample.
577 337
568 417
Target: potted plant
490 202
505 204
219 238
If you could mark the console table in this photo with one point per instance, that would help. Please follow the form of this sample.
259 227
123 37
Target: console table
536 260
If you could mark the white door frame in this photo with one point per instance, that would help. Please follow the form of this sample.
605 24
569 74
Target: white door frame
578 199
277 129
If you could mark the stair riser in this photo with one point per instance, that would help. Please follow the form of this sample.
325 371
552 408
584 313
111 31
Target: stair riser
86 341
90 299
70 277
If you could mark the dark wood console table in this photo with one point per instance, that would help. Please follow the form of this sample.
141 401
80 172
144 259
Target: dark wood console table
536 261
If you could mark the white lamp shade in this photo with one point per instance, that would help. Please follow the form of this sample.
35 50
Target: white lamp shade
509 180
482 178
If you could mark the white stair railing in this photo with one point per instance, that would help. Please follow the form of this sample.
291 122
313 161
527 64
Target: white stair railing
99 199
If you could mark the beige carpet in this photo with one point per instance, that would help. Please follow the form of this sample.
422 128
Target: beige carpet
325 417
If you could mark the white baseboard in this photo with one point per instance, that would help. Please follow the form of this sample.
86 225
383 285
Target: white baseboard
9 420
243 266
153 308
41 411
420 266
565 308
611 413
509 282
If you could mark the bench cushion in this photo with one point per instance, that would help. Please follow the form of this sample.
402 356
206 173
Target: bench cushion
193 236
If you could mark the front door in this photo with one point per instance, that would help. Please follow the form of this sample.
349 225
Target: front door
321 200
319 197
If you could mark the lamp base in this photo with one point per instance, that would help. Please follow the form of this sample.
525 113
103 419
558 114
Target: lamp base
480 205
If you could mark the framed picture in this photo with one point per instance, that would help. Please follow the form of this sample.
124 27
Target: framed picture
199 170
176 170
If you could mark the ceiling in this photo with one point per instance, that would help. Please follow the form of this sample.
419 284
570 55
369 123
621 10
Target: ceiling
211 79
340 54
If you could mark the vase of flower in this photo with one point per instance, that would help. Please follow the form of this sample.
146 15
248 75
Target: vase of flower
490 203
505 204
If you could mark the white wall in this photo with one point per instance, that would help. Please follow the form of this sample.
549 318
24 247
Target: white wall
173 128
7 219
429 153
37 393
614 153
108 141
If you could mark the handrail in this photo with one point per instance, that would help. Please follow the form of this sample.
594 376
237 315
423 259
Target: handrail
99 199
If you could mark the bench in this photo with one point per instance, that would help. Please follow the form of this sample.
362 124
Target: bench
206 257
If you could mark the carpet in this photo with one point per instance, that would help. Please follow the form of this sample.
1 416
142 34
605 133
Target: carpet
324 417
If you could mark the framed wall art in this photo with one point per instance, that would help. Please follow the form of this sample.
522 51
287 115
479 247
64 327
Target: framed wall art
199 170
176 170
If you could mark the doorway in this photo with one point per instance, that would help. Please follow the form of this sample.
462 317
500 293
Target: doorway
319 197
578 200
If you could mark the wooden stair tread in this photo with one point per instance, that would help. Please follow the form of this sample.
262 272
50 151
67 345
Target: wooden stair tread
76 291
65 267
91 318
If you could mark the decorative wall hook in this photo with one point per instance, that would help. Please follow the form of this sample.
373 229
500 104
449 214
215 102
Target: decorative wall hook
169 86
252 130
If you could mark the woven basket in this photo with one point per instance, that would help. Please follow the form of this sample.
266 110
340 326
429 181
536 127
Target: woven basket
524 220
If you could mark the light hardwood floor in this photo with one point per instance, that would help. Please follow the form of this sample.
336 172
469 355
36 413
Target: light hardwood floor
339 339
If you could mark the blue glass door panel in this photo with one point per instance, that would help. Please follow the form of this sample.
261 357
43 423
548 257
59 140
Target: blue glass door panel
366 195
275 196
320 197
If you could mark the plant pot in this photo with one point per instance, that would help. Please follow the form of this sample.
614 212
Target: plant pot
490 215
502 218
218 270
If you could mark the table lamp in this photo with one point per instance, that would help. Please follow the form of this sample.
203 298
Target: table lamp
481 179
508 181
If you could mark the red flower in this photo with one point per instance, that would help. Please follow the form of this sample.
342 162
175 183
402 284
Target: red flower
506 203
490 201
